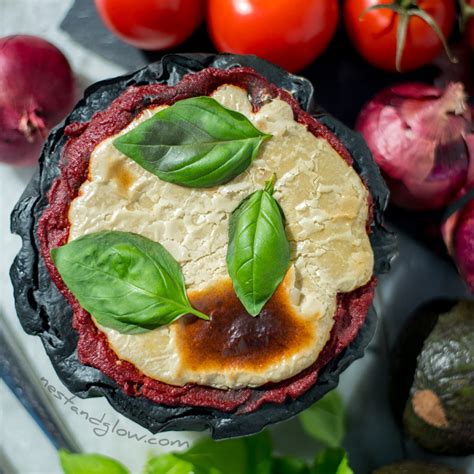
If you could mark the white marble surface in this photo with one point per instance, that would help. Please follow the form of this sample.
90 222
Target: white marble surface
27 449
372 437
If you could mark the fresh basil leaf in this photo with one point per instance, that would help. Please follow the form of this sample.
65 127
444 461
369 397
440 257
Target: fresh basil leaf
287 465
324 420
332 461
226 457
172 464
249 455
196 143
126 281
259 449
89 464
258 254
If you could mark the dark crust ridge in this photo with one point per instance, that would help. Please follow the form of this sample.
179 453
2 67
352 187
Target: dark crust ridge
45 312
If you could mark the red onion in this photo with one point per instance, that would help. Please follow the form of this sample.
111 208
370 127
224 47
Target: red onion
422 137
36 92
458 234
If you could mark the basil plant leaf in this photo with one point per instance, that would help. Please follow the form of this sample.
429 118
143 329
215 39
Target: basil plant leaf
259 451
332 461
324 420
172 464
289 465
252 454
225 457
195 143
125 281
89 464
258 254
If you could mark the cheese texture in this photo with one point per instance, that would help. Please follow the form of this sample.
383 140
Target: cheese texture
326 209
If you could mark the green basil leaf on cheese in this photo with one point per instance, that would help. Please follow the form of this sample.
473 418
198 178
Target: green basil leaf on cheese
258 254
195 143
89 464
125 281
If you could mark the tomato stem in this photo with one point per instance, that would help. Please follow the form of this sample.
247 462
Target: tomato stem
466 9
467 12
406 4
407 9
435 27
401 38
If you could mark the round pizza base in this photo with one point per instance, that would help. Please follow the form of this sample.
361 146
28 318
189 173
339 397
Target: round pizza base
44 311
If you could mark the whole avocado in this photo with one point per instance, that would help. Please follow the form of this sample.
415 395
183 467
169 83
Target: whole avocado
415 467
439 412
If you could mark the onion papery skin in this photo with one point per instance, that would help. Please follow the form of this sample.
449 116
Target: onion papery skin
422 137
458 235
37 90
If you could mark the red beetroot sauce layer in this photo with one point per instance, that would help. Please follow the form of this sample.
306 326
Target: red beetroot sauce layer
53 230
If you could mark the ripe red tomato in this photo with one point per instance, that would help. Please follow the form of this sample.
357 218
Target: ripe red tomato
151 24
290 33
374 35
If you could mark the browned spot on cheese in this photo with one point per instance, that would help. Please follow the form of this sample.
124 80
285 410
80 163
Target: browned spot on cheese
122 176
233 338
428 407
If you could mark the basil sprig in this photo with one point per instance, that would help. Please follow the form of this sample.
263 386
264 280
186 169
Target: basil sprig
195 143
258 254
89 464
325 420
249 455
126 281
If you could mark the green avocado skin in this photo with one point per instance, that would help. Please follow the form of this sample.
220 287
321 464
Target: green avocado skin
445 367
414 467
